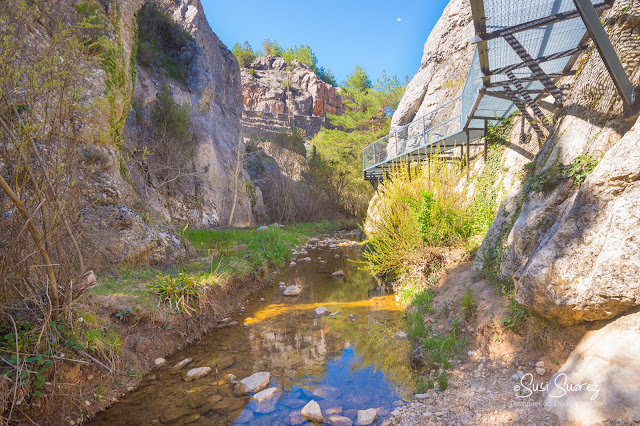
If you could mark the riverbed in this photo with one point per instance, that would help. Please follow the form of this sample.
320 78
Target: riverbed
346 361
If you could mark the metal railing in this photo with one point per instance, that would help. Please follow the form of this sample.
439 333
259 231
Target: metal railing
424 131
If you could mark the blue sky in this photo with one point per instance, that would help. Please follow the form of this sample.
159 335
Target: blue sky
377 35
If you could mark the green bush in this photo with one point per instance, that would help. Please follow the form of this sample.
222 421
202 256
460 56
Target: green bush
291 140
531 325
171 118
582 167
467 303
252 72
160 42
183 291
244 54
443 221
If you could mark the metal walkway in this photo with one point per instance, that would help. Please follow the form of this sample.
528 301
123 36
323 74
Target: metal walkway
522 49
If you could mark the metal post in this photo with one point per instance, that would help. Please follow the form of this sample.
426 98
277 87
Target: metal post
607 52
468 146
485 141
374 153
424 132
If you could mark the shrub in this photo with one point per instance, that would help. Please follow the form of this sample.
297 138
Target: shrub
160 42
443 381
170 117
244 54
443 221
252 72
531 325
467 303
582 167
291 140
184 291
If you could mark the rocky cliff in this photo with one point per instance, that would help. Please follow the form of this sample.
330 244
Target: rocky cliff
446 58
274 86
205 193
133 204
572 248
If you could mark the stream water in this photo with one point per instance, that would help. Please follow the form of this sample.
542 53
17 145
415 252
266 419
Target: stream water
345 364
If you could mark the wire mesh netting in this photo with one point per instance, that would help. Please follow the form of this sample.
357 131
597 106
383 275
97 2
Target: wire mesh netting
552 42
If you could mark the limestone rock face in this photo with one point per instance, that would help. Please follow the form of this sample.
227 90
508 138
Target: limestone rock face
203 198
607 360
446 59
266 91
586 266
131 216
574 250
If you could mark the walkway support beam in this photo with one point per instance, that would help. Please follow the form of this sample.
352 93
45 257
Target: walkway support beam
607 52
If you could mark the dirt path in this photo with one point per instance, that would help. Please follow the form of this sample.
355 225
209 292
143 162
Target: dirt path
482 385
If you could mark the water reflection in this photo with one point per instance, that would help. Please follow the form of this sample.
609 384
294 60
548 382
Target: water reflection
343 363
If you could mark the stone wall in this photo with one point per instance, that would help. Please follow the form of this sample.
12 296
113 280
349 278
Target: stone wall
265 125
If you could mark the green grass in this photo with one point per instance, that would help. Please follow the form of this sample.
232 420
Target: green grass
527 323
216 256
467 303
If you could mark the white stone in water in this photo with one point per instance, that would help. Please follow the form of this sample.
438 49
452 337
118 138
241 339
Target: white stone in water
182 363
367 417
337 256
321 310
292 290
340 420
307 259
196 373
401 335
160 361
254 383
338 274
312 412
292 264
265 401
282 284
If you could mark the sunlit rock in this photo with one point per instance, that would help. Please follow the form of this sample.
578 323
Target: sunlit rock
196 373
292 290
312 412
265 401
181 364
367 417
254 383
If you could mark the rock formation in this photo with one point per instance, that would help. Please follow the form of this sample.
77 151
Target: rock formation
132 212
445 62
572 250
274 86
204 197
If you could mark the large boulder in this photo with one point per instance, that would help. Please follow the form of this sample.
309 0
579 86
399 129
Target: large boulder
575 256
607 365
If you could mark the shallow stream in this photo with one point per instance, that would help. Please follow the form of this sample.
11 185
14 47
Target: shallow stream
345 364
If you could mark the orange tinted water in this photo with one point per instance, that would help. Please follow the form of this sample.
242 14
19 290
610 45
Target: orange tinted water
350 364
